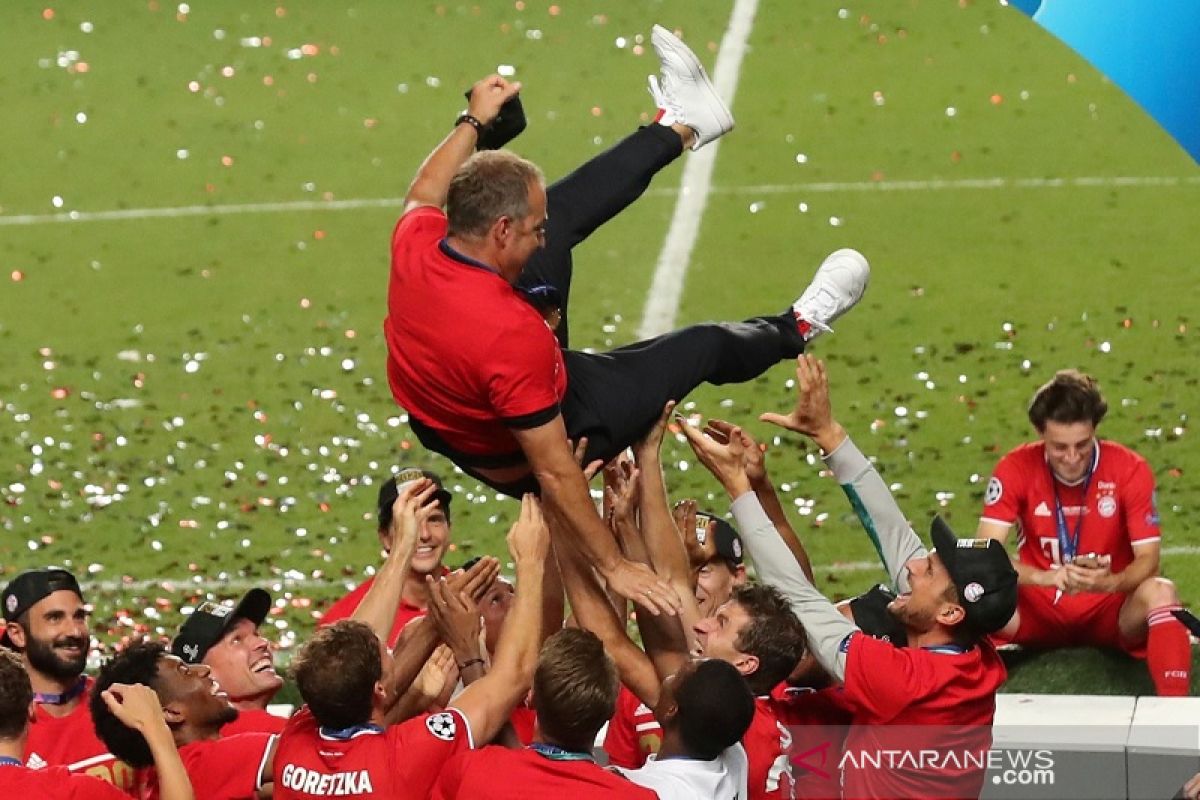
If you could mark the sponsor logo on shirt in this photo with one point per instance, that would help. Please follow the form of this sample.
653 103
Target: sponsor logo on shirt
335 784
1042 510
1107 506
35 761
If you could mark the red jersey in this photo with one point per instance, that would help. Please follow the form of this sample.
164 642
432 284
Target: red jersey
71 742
1117 513
254 720
909 700
229 768
524 722
55 783
633 732
468 356
817 722
401 761
346 606
503 774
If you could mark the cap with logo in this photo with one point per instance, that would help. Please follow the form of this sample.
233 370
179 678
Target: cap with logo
983 574
209 622
390 490
32 586
725 539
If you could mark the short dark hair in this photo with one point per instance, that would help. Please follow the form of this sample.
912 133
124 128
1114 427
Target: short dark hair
774 635
15 695
715 707
136 663
490 185
1072 396
575 688
336 671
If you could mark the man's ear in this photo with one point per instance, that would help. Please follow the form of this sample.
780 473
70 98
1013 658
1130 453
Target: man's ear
746 664
951 614
16 634
175 713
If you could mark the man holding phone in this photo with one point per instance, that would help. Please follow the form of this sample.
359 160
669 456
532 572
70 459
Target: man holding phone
1089 544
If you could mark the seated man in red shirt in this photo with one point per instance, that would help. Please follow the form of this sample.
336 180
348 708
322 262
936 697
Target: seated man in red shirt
226 639
342 741
135 706
1089 540
481 375
195 708
952 597
574 692
46 622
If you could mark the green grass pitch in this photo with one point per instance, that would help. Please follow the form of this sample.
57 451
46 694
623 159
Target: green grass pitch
195 402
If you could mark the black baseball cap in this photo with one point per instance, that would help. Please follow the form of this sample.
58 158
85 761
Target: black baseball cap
389 491
726 540
32 586
209 622
983 574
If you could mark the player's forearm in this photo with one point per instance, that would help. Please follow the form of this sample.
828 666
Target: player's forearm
668 555
824 626
565 489
173 782
1029 575
432 182
378 606
415 647
516 655
765 491
876 509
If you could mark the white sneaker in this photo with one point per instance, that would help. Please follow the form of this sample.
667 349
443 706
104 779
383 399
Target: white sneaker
685 94
839 283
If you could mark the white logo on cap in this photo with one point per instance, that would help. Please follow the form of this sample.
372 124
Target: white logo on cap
995 490
737 549
192 651
11 603
972 591
1107 506
216 610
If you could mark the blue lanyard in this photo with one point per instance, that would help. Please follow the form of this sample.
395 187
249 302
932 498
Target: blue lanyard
945 649
345 734
1068 544
557 753
48 699
9 761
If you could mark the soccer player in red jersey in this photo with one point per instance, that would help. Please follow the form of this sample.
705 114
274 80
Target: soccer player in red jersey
227 640
951 599
426 560
1089 539
342 741
135 706
46 623
493 391
574 692
195 708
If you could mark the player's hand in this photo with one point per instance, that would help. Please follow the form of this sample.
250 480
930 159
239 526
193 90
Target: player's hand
456 617
433 677
621 491
813 414
529 537
137 706
1191 789
721 455
488 95
1081 578
647 448
1053 578
638 583
686 519
476 581
580 451
411 508
752 453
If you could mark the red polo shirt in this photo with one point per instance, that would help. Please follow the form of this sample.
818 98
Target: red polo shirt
468 357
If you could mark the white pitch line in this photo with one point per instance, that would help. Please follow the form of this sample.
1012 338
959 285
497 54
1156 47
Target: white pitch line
825 187
666 289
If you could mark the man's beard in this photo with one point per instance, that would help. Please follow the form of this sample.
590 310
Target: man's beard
44 658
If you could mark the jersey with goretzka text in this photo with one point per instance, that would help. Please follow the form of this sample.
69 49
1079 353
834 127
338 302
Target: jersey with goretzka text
1117 513
400 762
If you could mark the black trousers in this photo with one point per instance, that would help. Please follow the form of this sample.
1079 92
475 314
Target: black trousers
613 398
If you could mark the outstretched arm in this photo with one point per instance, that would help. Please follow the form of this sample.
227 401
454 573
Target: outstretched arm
432 182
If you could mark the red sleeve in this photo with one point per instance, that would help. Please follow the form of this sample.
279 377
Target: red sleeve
1141 513
620 741
1002 498
86 787
881 679
345 606
522 376
424 226
228 767
423 745
450 779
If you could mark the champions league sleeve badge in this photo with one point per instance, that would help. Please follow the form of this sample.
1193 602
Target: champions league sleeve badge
443 726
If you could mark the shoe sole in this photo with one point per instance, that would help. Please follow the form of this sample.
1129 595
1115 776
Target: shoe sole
671 43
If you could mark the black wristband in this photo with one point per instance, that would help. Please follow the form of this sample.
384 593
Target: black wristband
470 120
462 667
